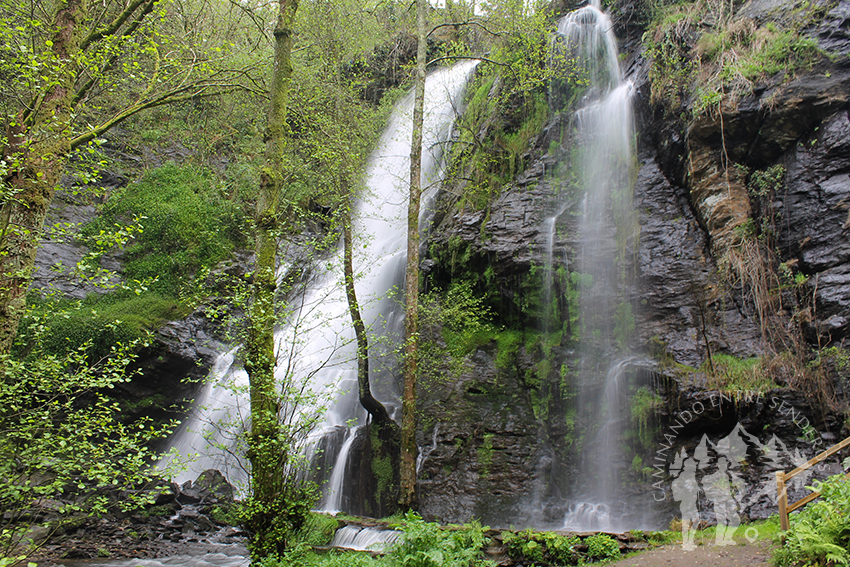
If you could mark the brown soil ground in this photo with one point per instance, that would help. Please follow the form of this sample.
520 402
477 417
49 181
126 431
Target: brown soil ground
744 554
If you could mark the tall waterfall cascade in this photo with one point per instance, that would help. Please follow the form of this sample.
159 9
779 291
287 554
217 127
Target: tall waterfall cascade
317 342
598 198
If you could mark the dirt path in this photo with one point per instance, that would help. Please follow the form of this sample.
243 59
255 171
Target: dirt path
742 555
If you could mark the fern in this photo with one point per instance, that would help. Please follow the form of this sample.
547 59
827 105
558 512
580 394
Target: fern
820 533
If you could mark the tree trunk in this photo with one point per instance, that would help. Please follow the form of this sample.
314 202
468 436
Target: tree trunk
407 496
375 408
38 146
271 516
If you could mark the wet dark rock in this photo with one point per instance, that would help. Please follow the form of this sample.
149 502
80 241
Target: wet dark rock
188 495
60 251
677 284
815 219
477 466
151 532
213 486
210 487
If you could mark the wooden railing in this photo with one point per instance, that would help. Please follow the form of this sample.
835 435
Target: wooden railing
782 478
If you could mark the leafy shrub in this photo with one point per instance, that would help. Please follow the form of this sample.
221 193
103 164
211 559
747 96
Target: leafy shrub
61 438
602 546
546 547
820 533
426 544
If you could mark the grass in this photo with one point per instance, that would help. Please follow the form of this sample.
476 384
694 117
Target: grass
767 530
707 64
731 374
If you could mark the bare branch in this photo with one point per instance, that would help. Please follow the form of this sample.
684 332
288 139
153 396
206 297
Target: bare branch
466 23
258 21
180 94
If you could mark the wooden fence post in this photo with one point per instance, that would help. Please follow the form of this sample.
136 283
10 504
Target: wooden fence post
782 497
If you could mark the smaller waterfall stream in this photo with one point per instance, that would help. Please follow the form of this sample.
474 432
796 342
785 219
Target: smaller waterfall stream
603 149
317 342
365 539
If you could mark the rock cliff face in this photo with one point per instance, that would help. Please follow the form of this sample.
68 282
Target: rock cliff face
492 452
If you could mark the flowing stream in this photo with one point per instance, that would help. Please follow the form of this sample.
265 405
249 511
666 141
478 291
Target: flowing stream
316 343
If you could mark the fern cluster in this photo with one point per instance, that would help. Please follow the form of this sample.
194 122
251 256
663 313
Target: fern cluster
820 533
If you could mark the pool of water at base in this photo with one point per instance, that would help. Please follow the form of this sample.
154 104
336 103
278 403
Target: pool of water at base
222 556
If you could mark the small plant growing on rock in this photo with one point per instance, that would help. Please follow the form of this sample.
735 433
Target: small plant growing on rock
602 546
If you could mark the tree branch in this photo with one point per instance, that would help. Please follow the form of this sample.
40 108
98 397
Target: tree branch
174 96
466 23
258 21
119 21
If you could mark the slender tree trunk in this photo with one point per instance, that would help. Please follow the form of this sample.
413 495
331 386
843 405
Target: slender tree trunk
407 496
39 145
375 408
267 451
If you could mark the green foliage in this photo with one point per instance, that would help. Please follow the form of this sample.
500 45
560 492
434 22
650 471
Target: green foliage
489 151
61 436
526 58
382 468
508 344
305 557
426 544
423 544
736 375
507 106
189 223
767 182
706 64
319 529
464 319
225 513
485 454
820 532
274 525
99 322
602 546
545 547
159 511
461 317
644 405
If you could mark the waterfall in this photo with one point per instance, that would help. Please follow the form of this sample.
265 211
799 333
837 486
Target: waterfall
365 538
601 136
316 342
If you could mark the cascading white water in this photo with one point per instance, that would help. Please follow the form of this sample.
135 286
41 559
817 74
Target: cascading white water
365 539
316 344
603 133
216 419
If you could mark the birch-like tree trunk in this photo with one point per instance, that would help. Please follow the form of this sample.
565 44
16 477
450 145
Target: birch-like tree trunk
407 496
274 513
